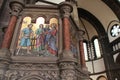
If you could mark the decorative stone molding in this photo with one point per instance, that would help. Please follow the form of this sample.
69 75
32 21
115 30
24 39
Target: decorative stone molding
80 34
5 54
30 75
68 75
67 71
35 66
4 62
65 8
67 65
16 7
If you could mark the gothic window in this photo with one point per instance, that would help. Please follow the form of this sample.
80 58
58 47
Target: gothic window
96 48
85 50
92 49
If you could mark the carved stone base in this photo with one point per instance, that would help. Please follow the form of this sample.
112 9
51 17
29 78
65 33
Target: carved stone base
33 68
67 71
5 54
82 74
4 62
40 68
32 75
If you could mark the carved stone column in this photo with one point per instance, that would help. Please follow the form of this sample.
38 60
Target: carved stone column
81 48
84 69
66 9
16 7
67 62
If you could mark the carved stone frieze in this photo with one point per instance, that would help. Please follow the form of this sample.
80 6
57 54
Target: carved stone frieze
68 75
32 75
68 71
30 66
67 65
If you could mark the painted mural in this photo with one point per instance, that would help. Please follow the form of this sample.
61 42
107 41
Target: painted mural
73 45
38 38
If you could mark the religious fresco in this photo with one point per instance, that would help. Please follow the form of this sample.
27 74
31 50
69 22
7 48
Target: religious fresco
38 39
73 45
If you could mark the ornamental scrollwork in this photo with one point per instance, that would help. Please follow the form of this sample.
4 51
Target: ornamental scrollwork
29 75
33 66
67 65
68 75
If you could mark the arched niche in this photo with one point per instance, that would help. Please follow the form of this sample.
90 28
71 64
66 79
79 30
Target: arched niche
26 20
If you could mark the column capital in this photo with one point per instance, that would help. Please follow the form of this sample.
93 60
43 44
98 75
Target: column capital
80 34
16 6
65 8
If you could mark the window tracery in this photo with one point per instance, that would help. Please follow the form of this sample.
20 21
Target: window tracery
92 49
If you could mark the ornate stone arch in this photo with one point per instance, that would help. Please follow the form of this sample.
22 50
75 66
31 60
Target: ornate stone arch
32 77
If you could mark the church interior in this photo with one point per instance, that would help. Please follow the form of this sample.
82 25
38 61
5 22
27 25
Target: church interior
59 39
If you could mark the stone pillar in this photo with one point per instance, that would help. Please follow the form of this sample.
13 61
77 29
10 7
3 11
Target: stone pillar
82 56
81 48
66 9
16 7
66 62
108 58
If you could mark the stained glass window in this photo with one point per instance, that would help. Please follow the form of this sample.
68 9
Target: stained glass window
115 30
85 50
97 48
